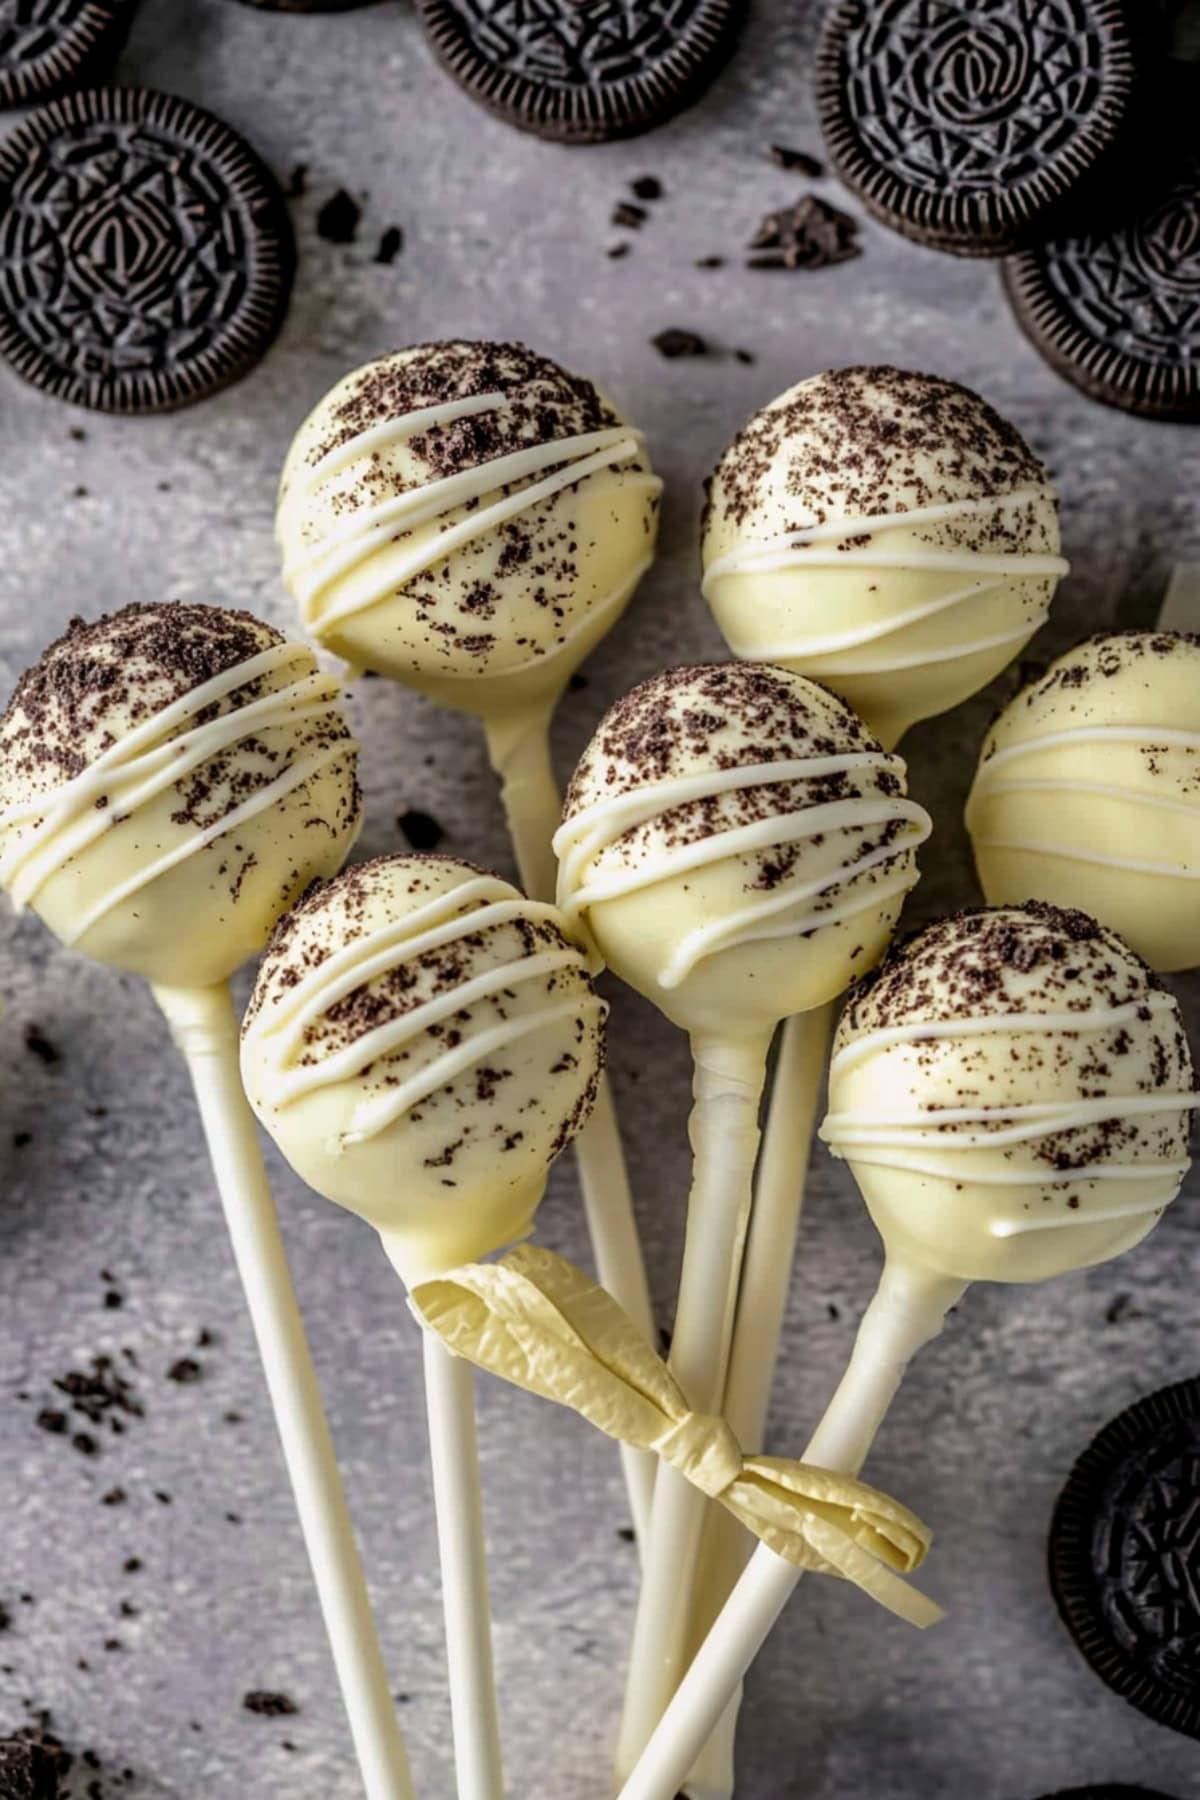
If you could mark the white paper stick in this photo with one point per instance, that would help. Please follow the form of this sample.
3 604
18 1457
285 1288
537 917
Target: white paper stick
908 1310
519 749
454 1458
727 1088
204 1026
1180 609
758 1326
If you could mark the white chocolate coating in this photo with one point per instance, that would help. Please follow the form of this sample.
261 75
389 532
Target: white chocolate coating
885 533
737 845
421 1043
171 778
467 518
1088 792
1012 1090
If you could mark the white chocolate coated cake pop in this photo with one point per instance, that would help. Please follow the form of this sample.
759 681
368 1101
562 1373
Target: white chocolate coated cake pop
421 1043
1012 1089
886 533
467 518
171 778
737 844
1088 791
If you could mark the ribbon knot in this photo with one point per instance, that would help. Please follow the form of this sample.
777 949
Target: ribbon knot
704 1450
536 1321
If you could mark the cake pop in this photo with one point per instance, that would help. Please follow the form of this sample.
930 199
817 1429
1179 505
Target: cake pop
171 778
470 519
1012 1091
1088 791
889 534
737 846
421 1043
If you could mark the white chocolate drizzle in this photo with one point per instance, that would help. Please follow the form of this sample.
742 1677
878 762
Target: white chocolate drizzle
785 912
479 905
927 1140
312 569
990 783
155 756
834 543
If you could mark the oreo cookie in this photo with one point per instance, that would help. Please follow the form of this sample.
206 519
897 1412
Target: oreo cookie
1124 1556
1107 1791
966 126
57 44
582 74
1116 308
145 252
306 6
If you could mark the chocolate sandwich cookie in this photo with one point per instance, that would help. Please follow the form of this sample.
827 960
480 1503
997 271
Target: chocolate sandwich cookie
145 251
56 44
1116 308
582 74
307 6
1108 1791
966 125
1123 1557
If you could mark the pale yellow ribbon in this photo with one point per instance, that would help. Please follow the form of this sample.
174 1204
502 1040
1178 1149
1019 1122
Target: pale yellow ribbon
536 1321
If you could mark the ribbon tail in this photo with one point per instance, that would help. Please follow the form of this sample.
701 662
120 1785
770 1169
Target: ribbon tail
851 1561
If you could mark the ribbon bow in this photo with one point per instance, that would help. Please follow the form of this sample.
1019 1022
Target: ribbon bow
536 1321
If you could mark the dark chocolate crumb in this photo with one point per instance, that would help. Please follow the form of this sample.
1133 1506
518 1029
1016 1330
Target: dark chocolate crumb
799 162
616 251
745 356
185 1371
810 235
39 1045
114 1301
85 1443
132 1565
52 1421
674 342
710 262
28 1771
114 1497
269 1705
627 1534
420 829
647 187
576 682
21 1139
627 216
337 221
391 243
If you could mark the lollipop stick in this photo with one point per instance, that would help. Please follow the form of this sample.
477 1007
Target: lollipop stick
758 1326
204 1026
724 1135
519 749
908 1310
454 1458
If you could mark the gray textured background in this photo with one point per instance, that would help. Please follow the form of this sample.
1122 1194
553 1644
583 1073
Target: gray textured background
507 236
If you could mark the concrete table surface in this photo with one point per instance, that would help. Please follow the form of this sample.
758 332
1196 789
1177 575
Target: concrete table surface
506 236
